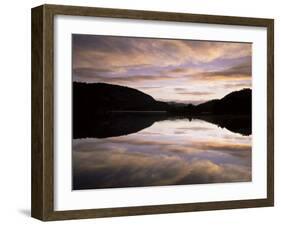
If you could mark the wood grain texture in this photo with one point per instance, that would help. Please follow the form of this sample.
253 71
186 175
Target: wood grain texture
270 111
43 108
42 113
37 159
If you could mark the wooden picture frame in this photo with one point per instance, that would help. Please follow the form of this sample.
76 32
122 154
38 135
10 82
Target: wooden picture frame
43 111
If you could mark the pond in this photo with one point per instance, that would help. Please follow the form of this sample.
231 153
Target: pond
168 151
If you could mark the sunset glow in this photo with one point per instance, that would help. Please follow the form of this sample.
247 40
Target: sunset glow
184 71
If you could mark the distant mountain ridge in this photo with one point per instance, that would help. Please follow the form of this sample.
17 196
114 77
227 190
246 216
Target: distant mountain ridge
104 110
98 98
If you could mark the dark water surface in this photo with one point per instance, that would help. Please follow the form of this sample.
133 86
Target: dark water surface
167 151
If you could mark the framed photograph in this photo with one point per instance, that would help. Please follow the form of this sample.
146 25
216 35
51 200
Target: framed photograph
141 112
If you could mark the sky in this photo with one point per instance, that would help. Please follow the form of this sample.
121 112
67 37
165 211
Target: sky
178 70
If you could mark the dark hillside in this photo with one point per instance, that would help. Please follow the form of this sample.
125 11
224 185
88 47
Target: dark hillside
238 102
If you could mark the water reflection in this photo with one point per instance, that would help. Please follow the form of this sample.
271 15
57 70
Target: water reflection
169 152
124 123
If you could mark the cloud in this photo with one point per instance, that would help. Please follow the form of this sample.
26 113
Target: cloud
185 91
108 166
208 69
238 85
183 70
149 87
113 51
93 75
237 72
222 146
166 146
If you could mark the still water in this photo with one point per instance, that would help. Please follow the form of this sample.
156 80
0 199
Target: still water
169 152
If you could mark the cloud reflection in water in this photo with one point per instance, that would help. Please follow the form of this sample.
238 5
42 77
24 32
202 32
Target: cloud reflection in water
171 152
